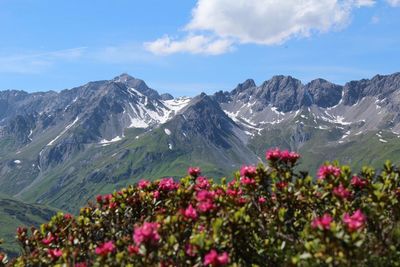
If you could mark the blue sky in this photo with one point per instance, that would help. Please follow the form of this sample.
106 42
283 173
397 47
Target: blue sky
187 47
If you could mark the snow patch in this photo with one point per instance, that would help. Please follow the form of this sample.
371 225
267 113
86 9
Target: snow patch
17 161
170 146
274 109
116 139
383 141
167 131
177 104
63 132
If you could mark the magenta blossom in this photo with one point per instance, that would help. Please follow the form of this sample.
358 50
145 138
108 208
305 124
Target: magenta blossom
168 184
327 170
133 249
202 183
287 156
341 192
143 184
190 250
55 253
190 213
205 195
261 200
248 171
205 206
281 185
206 200
105 248
147 233
355 221
194 171
214 259
358 182
234 192
273 154
247 181
48 240
323 222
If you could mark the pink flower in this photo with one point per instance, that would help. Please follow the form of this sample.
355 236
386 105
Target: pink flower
358 182
156 194
273 154
68 216
323 222
190 213
261 200
168 184
48 240
81 264
205 206
133 249
112 205
202 183
247 181
248 171
143 184
223 258
206 200
234 192
190 250
205 195
281 185
147 233
291 157
355 221
326 170
99 198
105 248
194 171
107 198
341 192
55 253
214 259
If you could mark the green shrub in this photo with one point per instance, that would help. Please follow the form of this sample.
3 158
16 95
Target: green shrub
266 216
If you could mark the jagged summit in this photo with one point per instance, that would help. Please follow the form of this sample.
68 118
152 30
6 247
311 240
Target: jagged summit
58 148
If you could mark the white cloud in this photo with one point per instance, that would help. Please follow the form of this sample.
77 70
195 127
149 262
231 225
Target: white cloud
361 3
218 24
194 44
37 62
394 3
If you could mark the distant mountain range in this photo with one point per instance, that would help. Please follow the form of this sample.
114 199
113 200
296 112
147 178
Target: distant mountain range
62 148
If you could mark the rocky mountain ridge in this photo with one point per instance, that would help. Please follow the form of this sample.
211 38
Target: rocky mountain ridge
63 148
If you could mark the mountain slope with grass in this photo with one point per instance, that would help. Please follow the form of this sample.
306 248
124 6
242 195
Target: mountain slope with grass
63 148
14 213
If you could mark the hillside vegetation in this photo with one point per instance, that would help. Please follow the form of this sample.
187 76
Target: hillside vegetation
266 216
13 213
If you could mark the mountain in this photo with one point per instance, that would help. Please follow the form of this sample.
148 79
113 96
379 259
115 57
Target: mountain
63 148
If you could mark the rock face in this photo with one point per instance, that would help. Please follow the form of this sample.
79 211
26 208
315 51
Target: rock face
63 147
323 93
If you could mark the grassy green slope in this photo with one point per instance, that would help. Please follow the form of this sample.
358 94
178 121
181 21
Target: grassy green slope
102 169
14 213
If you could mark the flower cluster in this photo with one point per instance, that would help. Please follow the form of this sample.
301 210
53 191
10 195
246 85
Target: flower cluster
285 156
272 216
323 222
327 170
148 233
105 248
355 221
214 259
